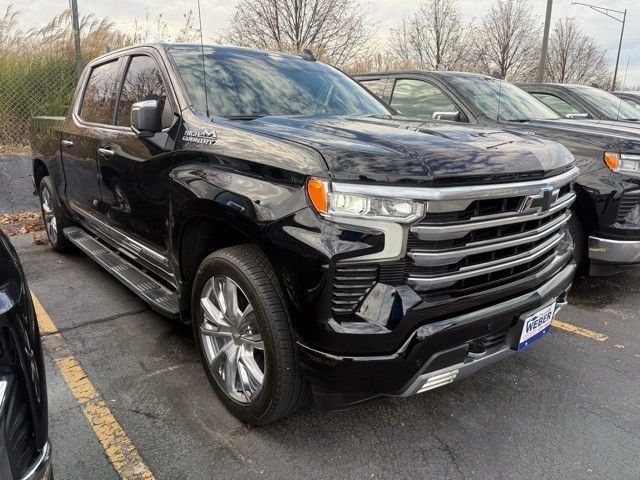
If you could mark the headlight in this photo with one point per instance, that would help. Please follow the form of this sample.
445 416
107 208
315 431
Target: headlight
622 163
341 204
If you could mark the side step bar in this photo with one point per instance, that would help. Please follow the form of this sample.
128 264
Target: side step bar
159 297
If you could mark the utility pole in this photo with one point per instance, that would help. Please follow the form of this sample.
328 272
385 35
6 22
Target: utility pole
545 42
76 35
608 12
615 72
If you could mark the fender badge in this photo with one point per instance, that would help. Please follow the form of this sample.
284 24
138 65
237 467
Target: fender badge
203 137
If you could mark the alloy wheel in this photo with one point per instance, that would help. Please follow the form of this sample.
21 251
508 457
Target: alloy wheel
231 339
50 221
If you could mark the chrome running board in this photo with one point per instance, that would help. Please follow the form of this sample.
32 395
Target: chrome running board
158 296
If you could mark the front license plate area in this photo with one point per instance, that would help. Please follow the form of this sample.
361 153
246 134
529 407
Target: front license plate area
536 325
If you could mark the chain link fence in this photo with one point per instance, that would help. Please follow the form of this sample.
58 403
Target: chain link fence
31 85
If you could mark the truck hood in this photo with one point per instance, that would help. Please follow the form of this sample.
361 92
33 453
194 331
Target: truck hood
393 150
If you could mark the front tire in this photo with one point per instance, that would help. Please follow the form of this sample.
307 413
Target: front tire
54 217
244 337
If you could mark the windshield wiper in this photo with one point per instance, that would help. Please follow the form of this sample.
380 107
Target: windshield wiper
519 120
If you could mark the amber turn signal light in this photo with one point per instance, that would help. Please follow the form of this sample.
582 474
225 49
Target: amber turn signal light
318 192
612 160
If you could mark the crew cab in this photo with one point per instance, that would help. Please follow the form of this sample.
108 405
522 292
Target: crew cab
583 101
316 243
25 451
606 220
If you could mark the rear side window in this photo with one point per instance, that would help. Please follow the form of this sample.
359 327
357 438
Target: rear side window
143 81
556 104
376 86
99 98
416 98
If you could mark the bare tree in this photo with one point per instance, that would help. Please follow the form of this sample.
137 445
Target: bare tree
433 37
575 57
334 30
508 39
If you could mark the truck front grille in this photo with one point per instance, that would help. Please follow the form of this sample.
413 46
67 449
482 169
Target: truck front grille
453 257
471 240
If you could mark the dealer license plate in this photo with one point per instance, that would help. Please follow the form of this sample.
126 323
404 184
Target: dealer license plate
536 325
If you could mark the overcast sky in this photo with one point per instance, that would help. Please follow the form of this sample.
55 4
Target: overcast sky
216 15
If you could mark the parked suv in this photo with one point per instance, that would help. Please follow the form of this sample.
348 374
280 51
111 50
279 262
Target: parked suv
606 221
316 243
25 452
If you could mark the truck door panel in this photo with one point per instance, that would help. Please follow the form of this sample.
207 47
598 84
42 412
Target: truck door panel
85 130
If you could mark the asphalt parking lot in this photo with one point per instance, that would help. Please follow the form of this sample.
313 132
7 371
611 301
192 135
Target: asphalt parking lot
568 407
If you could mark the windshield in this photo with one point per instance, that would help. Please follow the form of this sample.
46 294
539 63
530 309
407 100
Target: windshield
611 106
500 100
246 84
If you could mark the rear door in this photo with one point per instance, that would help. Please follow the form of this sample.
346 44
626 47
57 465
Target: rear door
134 170
90 121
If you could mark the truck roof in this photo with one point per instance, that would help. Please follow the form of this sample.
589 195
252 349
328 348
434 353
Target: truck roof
225 48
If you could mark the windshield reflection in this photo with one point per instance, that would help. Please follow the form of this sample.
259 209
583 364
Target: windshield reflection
613 107
502 101
244 83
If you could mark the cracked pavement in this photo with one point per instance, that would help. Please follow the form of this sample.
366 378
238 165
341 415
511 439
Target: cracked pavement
565 408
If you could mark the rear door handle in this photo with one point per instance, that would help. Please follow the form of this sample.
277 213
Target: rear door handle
106 152
67 143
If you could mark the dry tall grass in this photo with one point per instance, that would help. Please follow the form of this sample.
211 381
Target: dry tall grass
37 69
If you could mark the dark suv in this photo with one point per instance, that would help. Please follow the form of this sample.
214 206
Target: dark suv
315 242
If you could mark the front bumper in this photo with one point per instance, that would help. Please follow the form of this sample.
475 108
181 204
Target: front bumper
432 351
609 256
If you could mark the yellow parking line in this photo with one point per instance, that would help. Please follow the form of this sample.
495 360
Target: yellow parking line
122 454
567 327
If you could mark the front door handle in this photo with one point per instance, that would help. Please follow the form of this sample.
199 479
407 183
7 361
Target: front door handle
67 143
106 152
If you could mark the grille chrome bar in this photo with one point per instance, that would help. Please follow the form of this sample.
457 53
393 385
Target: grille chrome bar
473 192
458 230
442 281
447 257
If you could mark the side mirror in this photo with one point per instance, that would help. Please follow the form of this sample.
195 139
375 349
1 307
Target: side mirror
146 118
577 115
448 116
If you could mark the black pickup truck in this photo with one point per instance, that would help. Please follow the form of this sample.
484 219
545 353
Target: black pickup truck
606 224
316 243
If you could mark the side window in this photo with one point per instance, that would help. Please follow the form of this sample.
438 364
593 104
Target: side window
376 86
142 82
99 97
557 104
417 98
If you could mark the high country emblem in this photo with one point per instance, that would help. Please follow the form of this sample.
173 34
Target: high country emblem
203 137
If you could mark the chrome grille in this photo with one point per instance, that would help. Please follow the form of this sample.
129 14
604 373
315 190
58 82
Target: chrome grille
486 248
